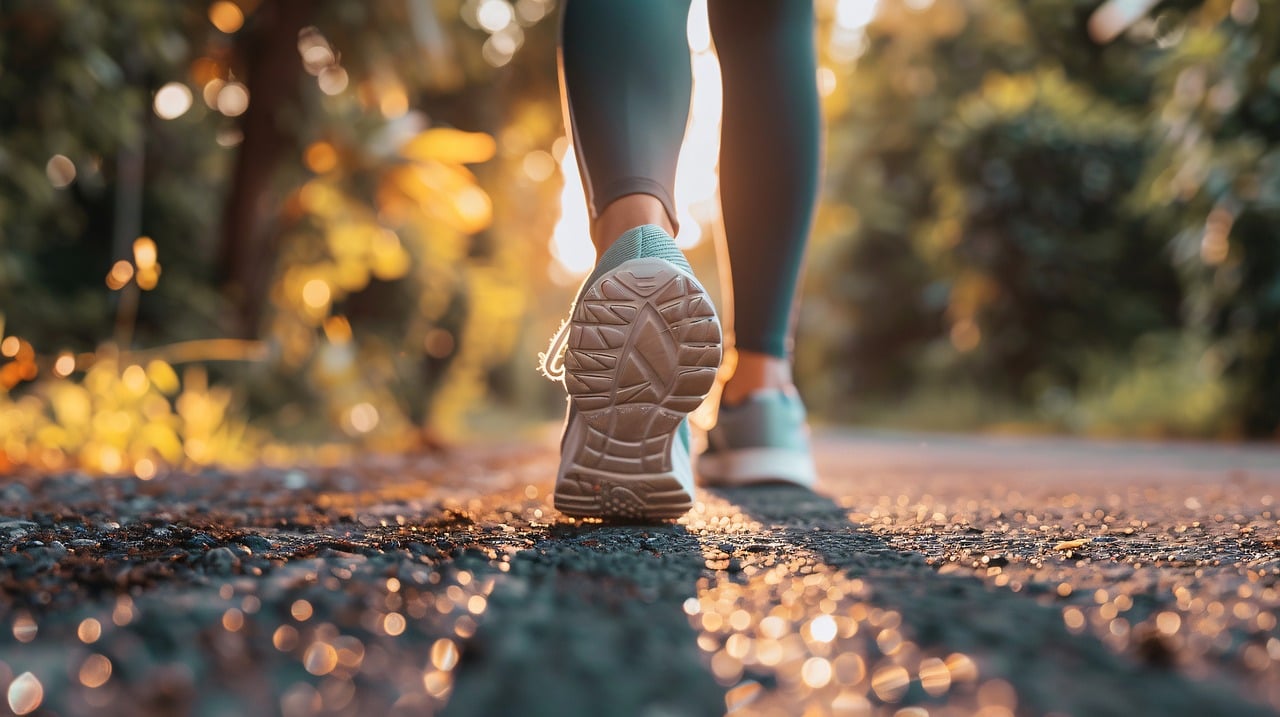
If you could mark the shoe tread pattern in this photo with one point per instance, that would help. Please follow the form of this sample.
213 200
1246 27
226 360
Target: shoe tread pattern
643 349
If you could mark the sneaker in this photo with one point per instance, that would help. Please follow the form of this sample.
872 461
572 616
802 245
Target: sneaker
762 440
639 353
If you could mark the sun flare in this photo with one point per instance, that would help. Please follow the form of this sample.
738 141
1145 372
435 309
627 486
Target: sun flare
697 178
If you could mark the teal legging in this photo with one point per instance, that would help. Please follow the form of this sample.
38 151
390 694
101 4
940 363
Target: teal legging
627 79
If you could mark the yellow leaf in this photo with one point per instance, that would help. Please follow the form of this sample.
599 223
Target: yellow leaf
348 239
53 436
430 179
350 274
322 199
163 377
450 145
71 404
1070 544
448 194
390 264
163 440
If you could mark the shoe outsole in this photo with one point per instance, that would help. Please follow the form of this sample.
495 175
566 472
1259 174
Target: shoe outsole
754 466
643 348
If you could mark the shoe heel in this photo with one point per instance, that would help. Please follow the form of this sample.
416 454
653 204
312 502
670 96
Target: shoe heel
643 348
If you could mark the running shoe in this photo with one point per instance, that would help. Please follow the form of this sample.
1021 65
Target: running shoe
638 354
762 440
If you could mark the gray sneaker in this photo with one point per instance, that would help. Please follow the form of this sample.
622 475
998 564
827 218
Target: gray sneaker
639 353
762 440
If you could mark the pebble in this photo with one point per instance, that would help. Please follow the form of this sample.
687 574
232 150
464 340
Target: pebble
18 522
220 560
256 543
295 480
201 540
15 493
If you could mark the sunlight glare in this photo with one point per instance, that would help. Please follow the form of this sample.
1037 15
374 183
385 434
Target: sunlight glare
855 14
697 179
571 249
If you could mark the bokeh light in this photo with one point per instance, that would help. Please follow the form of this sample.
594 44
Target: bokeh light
144 252
333 80
320 157
538 165
60 170
210 90
232 99
89 630
120 275
226 16
494 15
363 417
393 101
855 14
64 365
95 671
25 694
172 101
316 293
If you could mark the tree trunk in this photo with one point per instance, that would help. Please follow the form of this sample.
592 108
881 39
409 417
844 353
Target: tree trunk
269 55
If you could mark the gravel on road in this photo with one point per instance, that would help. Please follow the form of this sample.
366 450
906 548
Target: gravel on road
929 575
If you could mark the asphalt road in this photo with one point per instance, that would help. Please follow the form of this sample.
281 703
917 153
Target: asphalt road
928 576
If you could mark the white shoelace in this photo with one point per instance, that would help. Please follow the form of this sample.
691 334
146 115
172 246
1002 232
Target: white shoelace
553 359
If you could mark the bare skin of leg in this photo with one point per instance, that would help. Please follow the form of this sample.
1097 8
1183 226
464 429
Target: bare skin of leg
754 372
626 213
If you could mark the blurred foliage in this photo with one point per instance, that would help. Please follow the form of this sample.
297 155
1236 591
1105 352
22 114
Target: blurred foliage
305 173
1138 400
1076 228
138 420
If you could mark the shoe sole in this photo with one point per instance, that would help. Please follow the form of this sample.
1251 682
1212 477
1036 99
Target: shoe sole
753 466
642 353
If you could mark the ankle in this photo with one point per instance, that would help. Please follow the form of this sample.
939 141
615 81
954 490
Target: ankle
757 372
627 213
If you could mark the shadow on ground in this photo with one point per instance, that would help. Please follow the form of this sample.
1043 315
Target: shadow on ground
451 585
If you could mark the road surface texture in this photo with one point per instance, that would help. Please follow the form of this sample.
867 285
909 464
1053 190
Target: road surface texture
931 575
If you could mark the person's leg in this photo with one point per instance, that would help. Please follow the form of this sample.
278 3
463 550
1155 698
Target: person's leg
769 151
769 172
626 79
643 343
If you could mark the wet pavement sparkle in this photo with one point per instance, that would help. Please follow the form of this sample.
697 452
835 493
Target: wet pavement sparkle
930 576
